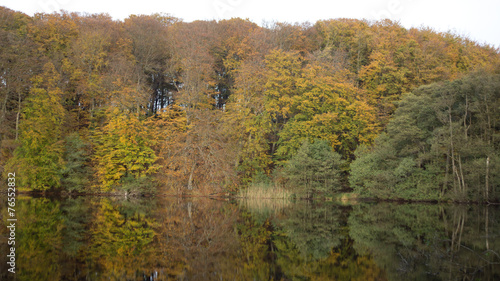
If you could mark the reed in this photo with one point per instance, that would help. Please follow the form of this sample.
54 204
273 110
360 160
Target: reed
264 190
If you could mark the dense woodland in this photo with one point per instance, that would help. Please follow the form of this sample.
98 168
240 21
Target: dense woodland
155 104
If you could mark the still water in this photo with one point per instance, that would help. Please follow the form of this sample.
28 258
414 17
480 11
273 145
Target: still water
102 238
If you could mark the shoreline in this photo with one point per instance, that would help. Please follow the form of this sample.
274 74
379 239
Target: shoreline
340 197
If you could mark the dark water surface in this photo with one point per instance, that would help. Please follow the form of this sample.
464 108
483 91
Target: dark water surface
100 238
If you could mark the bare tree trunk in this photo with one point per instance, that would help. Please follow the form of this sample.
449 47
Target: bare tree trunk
190 180
461 175
457 179
138 91
445 184
486 186
452 151
18 113
454 231
459 218
189 209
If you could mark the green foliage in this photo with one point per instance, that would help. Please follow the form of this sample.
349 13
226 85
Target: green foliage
135 185
261 178
440 144
76 172
314 168
369 173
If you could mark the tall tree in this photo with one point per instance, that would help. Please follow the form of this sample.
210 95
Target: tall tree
123 150
39 155
18 64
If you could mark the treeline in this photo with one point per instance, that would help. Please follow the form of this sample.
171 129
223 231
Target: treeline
150 103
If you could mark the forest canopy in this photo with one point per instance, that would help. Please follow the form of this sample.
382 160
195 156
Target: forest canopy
155 104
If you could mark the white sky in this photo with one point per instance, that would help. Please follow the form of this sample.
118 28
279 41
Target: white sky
478 20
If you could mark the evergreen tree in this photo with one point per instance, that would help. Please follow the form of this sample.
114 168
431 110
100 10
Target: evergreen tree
440 144
314 168
76 171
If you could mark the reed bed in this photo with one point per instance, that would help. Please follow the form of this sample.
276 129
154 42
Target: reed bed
265 191
265 207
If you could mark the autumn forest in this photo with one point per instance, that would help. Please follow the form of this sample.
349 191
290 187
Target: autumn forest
155 105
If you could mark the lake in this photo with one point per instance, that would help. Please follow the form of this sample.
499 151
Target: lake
163 238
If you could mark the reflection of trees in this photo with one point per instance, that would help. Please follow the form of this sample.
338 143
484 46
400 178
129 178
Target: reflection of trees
306 241
120 242
314 244
76 215
83 239
471 247
314 228
414 242
111 239
115 239
197 240
38 239
255 240
50 238
340 264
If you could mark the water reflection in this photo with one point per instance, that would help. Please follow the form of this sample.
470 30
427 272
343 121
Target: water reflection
429 242
96 238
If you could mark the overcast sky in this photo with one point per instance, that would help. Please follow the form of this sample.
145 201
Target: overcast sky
478 20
